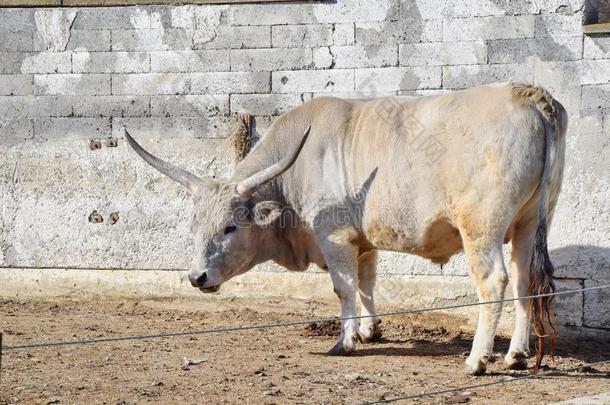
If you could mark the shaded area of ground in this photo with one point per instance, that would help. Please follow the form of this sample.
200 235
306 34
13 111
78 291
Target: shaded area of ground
288 365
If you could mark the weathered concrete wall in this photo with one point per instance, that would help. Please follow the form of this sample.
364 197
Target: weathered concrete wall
393 292
176 76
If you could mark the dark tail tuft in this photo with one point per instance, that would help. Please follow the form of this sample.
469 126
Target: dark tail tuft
541 282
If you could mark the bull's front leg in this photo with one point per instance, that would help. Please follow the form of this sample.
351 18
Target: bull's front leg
369 331
341 255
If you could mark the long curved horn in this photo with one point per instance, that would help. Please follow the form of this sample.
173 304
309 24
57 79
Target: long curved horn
248 186
188 180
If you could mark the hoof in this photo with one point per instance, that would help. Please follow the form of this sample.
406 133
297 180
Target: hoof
476 370
516 361
340 350
371 336
476 367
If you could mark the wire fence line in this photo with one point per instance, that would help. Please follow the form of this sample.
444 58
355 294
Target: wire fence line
281 324
486 384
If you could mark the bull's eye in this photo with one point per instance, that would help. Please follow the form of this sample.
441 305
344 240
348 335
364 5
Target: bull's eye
230 229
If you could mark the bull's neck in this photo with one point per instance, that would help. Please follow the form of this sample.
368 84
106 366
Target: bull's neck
281 140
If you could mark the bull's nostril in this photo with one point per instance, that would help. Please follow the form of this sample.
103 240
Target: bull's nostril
197 280
201 279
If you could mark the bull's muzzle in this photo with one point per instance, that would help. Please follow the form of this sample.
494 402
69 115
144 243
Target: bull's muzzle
198 280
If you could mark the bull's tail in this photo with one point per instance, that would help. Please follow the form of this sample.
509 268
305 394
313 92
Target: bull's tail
541 282
541 268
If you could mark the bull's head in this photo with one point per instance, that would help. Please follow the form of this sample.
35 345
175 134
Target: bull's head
228 227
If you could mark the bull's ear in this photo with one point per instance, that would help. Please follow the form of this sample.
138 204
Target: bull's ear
264 213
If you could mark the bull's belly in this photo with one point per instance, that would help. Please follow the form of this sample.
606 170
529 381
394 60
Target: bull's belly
437 242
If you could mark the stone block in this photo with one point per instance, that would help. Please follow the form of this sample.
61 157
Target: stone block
270 59
443 53
72 84
110 106
271 14
105 18
349 11
482 8
305 35
53 27
16 85
65 128
545 49
17 19
569 307
344 34
151 40
300 81
596 96
370 82
47 62
596 71
302 35
150 83
11 62
401 264
577 260
558 25
238 37
461 77
559 6
82 40
596 314
189 106
15 41
264 104
484 28
559 79
385 32
34 106
597 47
176 127
190 61
14 130
110 62
230 82
90 40
355 56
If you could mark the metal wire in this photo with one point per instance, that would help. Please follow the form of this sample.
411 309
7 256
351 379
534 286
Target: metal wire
283 324
487 384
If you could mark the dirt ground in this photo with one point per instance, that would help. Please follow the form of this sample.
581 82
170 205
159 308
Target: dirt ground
276 366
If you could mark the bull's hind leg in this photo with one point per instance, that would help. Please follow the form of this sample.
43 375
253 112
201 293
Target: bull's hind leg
488 272
369 330
341 256
523 242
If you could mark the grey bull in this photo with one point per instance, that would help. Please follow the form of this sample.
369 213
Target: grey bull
333 181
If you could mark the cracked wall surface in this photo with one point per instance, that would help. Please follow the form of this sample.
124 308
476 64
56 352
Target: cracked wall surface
177 75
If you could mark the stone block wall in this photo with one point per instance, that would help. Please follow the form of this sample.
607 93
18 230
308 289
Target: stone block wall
177 75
